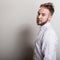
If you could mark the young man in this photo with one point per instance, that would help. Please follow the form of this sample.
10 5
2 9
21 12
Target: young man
45 47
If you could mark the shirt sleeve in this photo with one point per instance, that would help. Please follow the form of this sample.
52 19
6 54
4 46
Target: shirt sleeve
49 46
37 52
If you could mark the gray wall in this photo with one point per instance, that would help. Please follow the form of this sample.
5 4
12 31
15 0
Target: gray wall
17 22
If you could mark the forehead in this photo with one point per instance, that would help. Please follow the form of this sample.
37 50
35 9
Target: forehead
43 10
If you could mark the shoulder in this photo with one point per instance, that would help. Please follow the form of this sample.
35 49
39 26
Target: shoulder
50 35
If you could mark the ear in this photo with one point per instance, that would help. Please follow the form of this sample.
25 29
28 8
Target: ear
49 18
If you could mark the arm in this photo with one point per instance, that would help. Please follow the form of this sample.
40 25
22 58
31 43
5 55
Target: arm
49 46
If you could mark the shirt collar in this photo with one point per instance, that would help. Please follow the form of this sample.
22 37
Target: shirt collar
45 25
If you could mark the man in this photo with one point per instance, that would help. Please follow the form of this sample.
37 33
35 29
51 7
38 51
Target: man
45 47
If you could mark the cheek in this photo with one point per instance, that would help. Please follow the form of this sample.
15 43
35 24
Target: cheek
45 18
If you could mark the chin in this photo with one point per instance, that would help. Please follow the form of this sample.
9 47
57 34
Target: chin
39 24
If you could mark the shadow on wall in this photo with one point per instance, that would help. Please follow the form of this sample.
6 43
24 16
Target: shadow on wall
25 37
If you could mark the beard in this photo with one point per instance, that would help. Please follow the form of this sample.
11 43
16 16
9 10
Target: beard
42 23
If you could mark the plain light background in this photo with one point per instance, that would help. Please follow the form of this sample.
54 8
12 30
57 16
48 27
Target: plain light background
15 15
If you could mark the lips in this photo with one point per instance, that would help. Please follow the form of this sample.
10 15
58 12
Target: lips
39 20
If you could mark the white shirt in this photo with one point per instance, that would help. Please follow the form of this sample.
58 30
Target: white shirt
45 47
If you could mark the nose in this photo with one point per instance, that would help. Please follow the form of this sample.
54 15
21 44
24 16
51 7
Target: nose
39 16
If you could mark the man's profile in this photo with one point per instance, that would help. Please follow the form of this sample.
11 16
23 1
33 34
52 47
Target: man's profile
45 47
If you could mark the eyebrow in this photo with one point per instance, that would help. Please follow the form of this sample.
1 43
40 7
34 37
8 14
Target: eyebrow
40 13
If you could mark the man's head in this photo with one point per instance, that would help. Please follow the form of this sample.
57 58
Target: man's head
45 13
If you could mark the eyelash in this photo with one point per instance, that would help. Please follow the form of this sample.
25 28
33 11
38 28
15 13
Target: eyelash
38 13
42 14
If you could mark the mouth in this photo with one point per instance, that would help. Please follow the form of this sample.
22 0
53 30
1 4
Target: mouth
39 21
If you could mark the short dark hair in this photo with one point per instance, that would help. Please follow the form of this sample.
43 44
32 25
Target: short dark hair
49 6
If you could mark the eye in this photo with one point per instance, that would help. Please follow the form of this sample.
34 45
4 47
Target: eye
38 13
43 14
